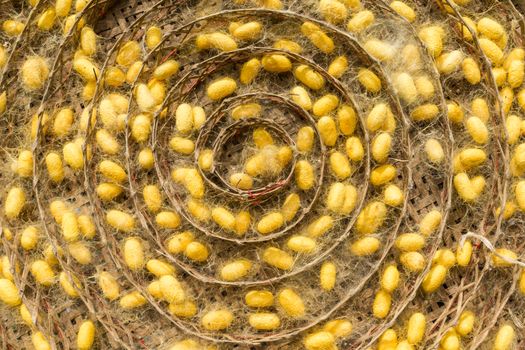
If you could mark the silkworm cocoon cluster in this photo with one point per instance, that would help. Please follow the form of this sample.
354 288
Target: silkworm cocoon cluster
504 338
43 273
216 40
432 37
9 293
217 320
507 253
412 261
270 223
360 21
221 88
39 341
301 244
406 87
365 246
14 202
109 285
120 220
491 50
171 289
278 258
318 37
382 304
196 251
12 27
132 300
72 153
383 174
86 335
464 254
449 62
465 323
389 279
249 71
369 80
86 69
70 285
29 238
199 210
235 270
469 189
354 149
380 50
24 164
434 278
444 257
264 321
403 10
371 217
153 37
338 67
146 159
319 340
424 112
309 77
35 72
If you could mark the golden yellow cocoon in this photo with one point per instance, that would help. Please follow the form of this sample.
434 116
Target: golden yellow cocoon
455 112
381 145
360 21
389 280
410 242
338 67
449 62
377 116
196 251
382 303
108 191
308 77
434 151
62 7
291 303
304 175
14 202
26 315
327 275
199 210
70 22
166 70
241 181
107 142
424 112
333 11
152 198
288 45
243 222
430 222
145 99
70 228
133 253
39 341
424 86
128 53
416 328
371 217
168 220
305 139
146 159
224 218
406 87
12 27
393 196
432 37
270 223
383 174
465 323
471 70
9 293
217 320
153 37
380 50
301 244
354 149
259 298
114 76
319 226
171 289
120 220
278 258
80 252
184 309
184 118
70 285
47 19
318 37
109 285
468 189
264 321
35 72
365 246
248 31
490 28
325 105
369 80
506 253
319 341
235 270
216 40
249 71
63 121
491 50
88 41
504 338
444 257
132 300
86 335
112 171
347 119
412 261
24 164
434 278
86 69
403 10
221 88
159 268
42 273
340 328
515 74
29 238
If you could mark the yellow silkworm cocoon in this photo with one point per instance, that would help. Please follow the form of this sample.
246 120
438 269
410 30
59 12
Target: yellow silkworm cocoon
382 303
132 300
444 257
468 188
168 220
291 303
88 41
432 37
450 340
504 338
242 223
371 217
35 72
389 279
107 142
184 309
87 69
171 289
416 328
305 139
112 171
434 278
464 28
120 220
39 341
262 138
464 254
206 159
153 37
270 223
152 198
24 164
449 62
327 276
217 320
62 7
335 198
29 238
70 22
145 99
340 165
519 192
403 10
288 45
507 97
490 28
249 71
63 121
381 146
42 273
290 206
108 191
12 27
347 119
47 19
216 40
319 226
369 80
235 270
406 87
325 105
249 110
410 242
424 112
159 268
434 151
259 298
515 54
224 218
354 149
196 251
393 196
308 77
14 202
134 253
513 127
377 116
241 181
465 323
500 76
430 222
70 228
114 77
86 335
472 157
264 321
507 253
304 175
178 243
9 293
387 340
333 11
318 37
380 50
248 31
365 246
26 315
320 340
146 159
338 328
454 112
412 261
182 145
383 174
109 285
166 70
221 88
477 130
471 70
133 71
338 67
301 244
199 210
491 50
70 285
58 208
360 21
278 258
128 53
424 86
